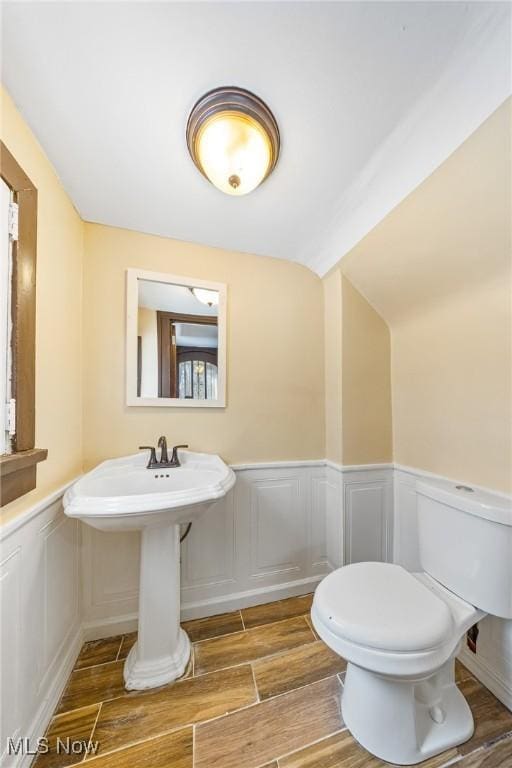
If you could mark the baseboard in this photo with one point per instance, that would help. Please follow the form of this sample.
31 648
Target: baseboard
246 599
95 630
49 704
118 625
502 689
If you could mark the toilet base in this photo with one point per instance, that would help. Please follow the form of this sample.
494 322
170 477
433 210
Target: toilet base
405 721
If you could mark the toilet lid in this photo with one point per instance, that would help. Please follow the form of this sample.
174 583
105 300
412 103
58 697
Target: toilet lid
382 606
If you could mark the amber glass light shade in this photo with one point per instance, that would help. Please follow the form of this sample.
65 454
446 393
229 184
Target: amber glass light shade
233 139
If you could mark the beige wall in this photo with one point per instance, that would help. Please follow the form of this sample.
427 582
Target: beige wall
148 332
59 303
438 270
333 366
275 387
452 387
366 381
357 376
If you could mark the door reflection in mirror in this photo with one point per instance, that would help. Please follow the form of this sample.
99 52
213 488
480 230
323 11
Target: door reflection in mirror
178 342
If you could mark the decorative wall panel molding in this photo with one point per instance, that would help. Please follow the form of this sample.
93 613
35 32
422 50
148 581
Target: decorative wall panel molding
277 537
274 535
318 525
208 555
110 573
405 538
41 626
11 628
368 514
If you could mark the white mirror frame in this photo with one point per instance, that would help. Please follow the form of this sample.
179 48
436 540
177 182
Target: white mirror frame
132 308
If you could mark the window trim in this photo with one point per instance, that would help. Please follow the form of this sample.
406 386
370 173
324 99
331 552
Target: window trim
18 469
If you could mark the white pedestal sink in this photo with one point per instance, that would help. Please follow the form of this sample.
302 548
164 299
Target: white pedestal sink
122 495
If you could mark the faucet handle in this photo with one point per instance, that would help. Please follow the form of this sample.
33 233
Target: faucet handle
152 458
174 458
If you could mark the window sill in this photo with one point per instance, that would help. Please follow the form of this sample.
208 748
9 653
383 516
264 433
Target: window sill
18 473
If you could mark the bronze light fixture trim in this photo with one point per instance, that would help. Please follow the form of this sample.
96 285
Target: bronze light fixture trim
233 139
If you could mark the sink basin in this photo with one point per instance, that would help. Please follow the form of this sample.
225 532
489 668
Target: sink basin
122 495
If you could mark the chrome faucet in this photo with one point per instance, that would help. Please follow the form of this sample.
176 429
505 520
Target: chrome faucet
164 462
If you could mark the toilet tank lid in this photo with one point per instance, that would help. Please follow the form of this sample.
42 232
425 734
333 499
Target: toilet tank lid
474 501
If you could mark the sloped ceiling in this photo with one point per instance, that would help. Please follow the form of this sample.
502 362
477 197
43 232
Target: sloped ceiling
370 99
451 234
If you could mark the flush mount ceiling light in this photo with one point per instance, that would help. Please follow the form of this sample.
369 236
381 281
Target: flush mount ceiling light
233 139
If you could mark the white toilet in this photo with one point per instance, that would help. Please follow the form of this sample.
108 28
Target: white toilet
400 632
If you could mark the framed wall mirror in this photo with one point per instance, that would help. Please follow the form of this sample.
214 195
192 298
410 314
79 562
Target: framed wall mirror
175 341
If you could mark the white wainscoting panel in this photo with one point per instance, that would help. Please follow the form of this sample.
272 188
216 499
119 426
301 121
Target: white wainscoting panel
11 640
110 577
208 555
40 629
274 535
318 525
276 526
405 535
333 499
368 514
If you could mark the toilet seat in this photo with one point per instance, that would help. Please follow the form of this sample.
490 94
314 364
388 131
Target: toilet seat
383 606
387 620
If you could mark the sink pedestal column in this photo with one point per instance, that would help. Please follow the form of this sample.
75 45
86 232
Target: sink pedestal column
162 650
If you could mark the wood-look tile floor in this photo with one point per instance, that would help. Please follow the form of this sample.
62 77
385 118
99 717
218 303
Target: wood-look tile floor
261 691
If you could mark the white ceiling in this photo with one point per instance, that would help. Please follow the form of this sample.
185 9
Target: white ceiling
168 297
370 98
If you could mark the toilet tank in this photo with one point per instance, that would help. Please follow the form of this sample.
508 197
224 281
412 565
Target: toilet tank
465 539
